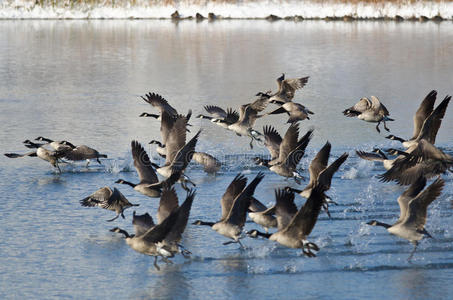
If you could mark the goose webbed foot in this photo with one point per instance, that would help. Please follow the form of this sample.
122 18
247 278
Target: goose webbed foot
330 201
114 218
307 248
326 208
166 260
184 252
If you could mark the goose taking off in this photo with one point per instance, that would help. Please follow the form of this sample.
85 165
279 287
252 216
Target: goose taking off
376 155
294 234
428 127
149 184
82 152
234 204
370 111
220 116
158 240
262 215
48 155
321 174
211 165
413 204
109 199
296 112
287 88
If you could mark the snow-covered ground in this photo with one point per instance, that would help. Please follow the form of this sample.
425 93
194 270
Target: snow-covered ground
97 9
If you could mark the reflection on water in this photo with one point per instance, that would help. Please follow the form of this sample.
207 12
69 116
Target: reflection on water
81 80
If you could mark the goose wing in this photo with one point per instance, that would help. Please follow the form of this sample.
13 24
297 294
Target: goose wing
304 221
408 195
184 155
416 214
424 110
168 203
296 155
176 138
285 209
160 103
289 86
233 190
238 212
369 156
216 111
256 205
289 142
166 125
325 177
80 153
160 231
432 123
363 105
183 213
142 164
99 198
319 163
377 106
272 141
232 116
142 223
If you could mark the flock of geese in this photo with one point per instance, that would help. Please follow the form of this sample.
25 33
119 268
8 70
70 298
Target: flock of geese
421 160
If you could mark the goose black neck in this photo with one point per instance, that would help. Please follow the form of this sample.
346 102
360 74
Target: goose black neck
124 232
262 234
377 223
46 140
128 183
204 223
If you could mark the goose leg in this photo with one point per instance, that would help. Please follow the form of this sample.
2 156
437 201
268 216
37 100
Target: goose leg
88 162
58 167
122 215
385 127
377 127
326 208
114 218
251 143
155 263
166 260
186 253
99 162
412 253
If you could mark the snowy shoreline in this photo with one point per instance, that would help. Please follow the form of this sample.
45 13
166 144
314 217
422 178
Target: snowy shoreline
197 9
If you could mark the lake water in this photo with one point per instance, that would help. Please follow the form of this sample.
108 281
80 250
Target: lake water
81 81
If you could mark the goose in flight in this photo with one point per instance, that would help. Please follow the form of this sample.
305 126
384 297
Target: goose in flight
234 202
161 239
287 88
295 227
426 121
413 205
219 116
370 110
109 199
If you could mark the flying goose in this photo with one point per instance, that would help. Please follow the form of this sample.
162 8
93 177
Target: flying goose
160 103
370 111
413 206
82 152
320 173
149 184
234 202
48 155
151 242
262 215
248 114
296 112
287 88
422 159
295 233
428 127
290 153
109 199
376 155
220 116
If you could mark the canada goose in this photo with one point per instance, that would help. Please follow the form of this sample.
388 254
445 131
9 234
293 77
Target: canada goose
247 117
413 206
295 233
291 152
160 103
296 112
56 145
149 184
170 229
109 199
428 127
370 111
320 173
234 204
210 164
376 155
279 148
287 88
178 152
48 155
422 159
262 215
160 148
220 116
82 152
